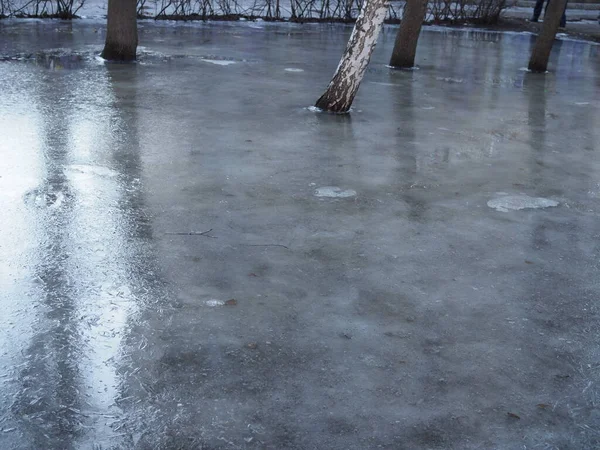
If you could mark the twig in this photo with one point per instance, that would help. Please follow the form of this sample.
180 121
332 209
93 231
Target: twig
264 245
191 233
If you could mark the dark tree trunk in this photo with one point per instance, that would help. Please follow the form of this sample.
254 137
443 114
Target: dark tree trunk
405 47
345 83
121 31
543 44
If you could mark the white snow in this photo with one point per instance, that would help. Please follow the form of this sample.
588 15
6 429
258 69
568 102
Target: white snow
219 62
214 302
517 202
334 192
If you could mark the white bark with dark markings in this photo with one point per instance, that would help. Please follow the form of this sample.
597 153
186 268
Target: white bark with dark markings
345 83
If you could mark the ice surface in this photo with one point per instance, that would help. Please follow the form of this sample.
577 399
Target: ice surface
406 316
517 202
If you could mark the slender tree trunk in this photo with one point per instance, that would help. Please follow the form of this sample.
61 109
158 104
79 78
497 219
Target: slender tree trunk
121 31
405 47
543 44
345 83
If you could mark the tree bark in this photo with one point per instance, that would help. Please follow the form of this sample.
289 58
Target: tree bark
345 82
543 44
121 31
405 47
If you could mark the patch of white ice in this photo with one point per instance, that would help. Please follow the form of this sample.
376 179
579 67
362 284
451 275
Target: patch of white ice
517 202
293 69
334 192
449 79
214 302
218 62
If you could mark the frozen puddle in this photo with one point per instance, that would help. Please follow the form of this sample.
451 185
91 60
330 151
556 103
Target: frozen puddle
517 202
218 62
334 192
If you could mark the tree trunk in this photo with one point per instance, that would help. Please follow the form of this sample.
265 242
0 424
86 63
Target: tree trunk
405 47
543 44
121 31
343 87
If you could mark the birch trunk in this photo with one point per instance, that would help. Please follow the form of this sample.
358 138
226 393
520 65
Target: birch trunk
543 44
121 31
345 83
405 47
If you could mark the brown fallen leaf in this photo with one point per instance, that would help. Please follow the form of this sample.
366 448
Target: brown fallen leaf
231 302
513 415
543 405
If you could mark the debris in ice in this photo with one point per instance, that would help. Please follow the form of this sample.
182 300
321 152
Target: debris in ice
517 202
293 69
92 170
214 302
334 192
218 62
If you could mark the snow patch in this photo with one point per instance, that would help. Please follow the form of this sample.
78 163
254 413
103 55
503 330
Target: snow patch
214 302
219 62
402 68
517 202
334 192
